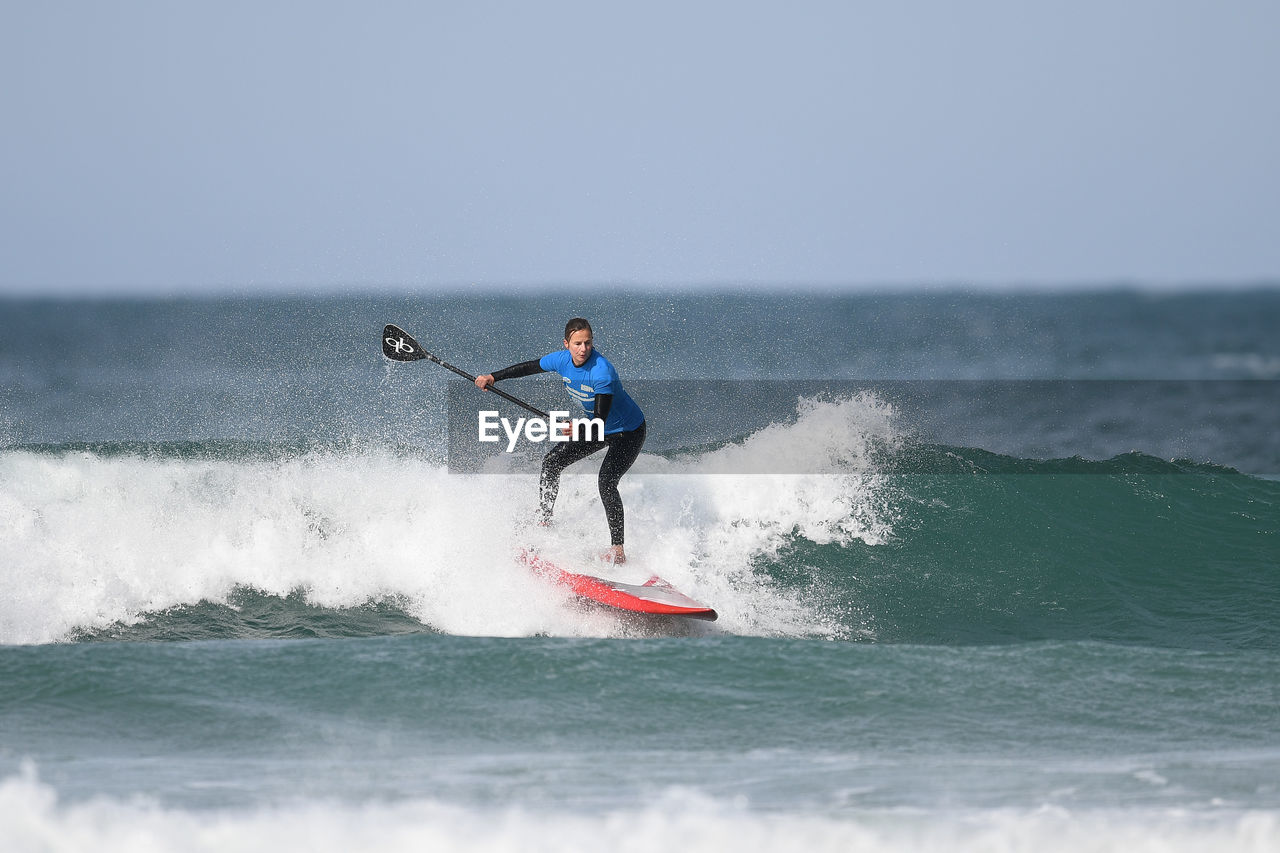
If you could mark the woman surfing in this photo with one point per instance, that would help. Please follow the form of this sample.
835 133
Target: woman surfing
593 381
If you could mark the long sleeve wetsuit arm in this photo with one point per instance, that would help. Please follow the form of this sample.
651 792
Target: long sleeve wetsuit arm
515 371
602 405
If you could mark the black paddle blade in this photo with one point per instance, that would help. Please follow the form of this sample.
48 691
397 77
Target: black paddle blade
399 345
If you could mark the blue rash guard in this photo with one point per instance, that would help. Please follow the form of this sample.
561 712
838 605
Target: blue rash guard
596 376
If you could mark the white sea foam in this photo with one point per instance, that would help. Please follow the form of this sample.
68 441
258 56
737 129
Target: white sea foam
88 540
33 819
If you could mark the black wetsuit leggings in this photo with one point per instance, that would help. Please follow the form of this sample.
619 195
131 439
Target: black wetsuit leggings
624 447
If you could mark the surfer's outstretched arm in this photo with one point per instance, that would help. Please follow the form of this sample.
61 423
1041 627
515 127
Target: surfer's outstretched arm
515 371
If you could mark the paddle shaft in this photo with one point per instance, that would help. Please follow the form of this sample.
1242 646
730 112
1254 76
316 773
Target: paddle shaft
503 394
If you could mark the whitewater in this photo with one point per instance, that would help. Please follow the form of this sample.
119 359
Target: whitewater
133 535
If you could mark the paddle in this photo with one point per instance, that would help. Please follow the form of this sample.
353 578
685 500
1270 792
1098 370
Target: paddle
399 345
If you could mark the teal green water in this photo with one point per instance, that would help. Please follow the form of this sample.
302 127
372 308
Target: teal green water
787 723
992 572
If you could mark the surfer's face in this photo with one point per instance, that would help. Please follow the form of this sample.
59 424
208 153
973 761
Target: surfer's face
579 346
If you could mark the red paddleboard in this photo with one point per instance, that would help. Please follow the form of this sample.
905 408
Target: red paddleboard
655 596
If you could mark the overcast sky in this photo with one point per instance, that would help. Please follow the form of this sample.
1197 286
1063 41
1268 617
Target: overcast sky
184 146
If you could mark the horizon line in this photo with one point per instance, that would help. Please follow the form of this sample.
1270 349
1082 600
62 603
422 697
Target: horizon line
10 291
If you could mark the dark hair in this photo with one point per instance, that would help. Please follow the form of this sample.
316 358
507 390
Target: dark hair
577 324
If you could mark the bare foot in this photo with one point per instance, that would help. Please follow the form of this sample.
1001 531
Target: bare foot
614 555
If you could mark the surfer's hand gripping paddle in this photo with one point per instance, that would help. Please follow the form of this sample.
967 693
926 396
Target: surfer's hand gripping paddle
399 345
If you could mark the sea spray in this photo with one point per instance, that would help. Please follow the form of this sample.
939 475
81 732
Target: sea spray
882 539
101 539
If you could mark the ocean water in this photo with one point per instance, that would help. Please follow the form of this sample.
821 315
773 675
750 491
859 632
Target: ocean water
994 572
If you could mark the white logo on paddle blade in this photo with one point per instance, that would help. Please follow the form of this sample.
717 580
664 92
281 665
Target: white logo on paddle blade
399 345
